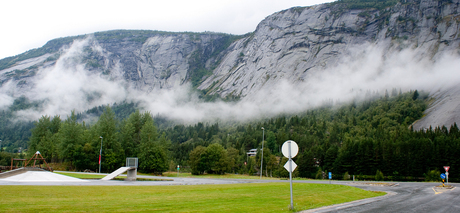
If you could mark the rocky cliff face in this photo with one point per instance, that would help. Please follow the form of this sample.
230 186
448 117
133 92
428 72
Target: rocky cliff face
151 60
294 46
294 43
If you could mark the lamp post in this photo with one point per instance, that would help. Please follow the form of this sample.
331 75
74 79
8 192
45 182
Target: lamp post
100 153
262 159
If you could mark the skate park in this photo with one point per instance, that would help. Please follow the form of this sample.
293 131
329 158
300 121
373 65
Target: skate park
34 174
400 197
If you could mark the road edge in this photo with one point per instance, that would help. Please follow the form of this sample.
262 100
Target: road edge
350 204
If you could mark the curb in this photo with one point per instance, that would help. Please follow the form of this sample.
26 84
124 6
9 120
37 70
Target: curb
439 190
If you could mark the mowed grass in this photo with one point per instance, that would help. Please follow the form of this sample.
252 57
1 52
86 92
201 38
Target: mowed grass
251 197
99 176
216 176
82 175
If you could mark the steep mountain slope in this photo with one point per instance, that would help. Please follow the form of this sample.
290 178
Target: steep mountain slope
293 43
148 59
298 43
295 59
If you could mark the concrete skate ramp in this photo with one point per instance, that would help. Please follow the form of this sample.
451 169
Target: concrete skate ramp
41 176
117 172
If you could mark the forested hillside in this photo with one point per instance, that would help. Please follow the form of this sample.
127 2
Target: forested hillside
200 100
14 133
356 139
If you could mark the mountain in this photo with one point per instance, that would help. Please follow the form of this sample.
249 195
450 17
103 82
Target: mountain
296 59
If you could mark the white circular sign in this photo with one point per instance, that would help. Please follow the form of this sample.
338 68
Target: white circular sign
294 148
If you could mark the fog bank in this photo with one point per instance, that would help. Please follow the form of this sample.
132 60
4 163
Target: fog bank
69 86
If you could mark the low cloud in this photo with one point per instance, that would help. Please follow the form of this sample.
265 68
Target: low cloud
68 86
366 69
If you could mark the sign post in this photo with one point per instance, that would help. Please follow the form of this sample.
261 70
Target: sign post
178 168
443 176
330 177
290 150
100 153
447 173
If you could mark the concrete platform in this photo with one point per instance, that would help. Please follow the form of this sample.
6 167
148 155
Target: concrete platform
41 176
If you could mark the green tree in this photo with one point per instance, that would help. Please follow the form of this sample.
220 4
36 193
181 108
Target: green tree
41 138
197 160
330 157
233 156
306 163
346 176
433 175
216 159
112 152
379 176
152 155
70 135
90 149
415 95
127 139
272 164
271 142
153 159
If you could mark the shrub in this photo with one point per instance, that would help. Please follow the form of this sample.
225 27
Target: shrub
433 175
319 174
379 176
346 176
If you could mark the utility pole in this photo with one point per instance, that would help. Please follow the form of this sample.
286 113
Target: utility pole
262 159
100 153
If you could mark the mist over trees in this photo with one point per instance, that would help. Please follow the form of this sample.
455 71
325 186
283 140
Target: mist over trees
365 139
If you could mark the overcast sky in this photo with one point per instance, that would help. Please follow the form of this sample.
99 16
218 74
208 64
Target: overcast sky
30 24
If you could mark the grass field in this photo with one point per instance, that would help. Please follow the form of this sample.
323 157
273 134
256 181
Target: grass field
254 197
82 175
224 176
171 174
98 176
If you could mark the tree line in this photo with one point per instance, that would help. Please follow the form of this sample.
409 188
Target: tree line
363 138
79 144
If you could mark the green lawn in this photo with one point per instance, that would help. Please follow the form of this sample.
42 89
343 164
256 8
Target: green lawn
181 175
82 175
254 197
98 176
224 176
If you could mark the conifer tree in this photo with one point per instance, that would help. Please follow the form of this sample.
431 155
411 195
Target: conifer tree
152 156
112 152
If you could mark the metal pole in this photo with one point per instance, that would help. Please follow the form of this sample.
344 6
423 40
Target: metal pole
290 174
447 178
1 146
262 159
100 154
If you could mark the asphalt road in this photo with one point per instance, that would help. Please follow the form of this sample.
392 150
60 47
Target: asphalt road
405 197
401 197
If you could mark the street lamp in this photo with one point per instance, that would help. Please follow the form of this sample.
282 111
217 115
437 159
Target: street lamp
262 159
100 153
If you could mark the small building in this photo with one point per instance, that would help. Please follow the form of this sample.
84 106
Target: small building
252 152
